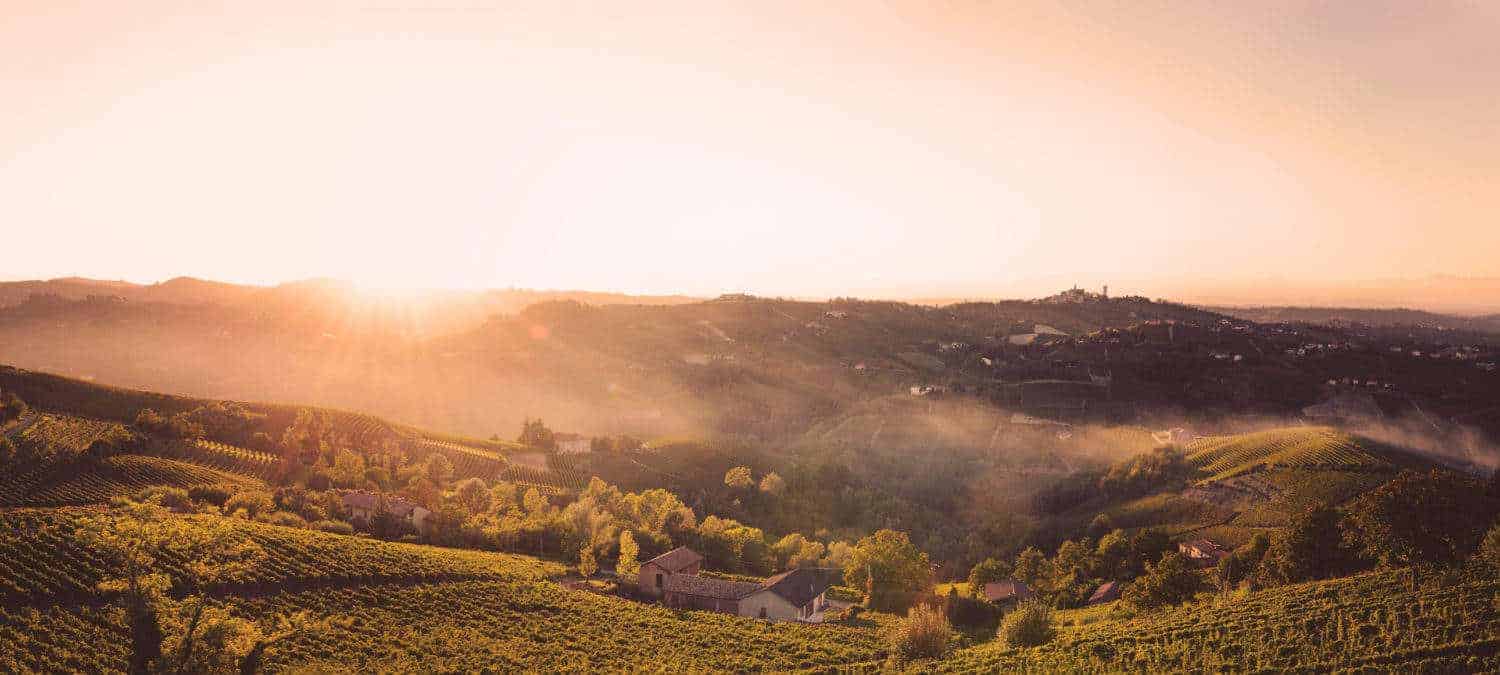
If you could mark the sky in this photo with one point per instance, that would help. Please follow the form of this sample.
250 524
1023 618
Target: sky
912 149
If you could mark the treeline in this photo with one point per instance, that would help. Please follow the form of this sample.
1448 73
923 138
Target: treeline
1161 469
1419 520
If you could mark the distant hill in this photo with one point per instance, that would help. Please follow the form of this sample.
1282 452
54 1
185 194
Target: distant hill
332 302
591 364
1488 323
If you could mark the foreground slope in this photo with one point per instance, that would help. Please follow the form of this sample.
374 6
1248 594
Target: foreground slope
393 607
1376 621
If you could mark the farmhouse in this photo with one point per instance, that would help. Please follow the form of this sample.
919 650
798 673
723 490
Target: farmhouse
678 561
363 505
572 444
1108 591
1007 590
796 595
1203 551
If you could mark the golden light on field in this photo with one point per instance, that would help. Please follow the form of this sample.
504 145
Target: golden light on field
770 147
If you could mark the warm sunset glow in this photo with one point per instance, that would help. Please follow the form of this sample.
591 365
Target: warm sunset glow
779 148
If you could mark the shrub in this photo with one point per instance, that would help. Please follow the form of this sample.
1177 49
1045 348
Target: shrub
1029 626
170 497
924 634
846 594
286 519
213 494
254 503
965 611
333 527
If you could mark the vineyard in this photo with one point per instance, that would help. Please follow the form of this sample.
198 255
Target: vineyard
466 626
468 462
1314 447
41 560
72 434
398 607
1373 621
229 458
123 475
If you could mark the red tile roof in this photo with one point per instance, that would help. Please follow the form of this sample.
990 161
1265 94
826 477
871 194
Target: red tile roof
1005 590
676 559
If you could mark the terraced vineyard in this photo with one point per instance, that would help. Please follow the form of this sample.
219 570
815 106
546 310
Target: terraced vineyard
41 560
468 462
230 458
117 476
1226 456
1372 621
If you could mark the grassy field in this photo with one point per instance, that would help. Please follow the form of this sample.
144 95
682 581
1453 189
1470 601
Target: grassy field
1374 621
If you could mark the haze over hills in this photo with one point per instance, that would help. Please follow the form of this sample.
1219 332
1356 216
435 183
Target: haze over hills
480 362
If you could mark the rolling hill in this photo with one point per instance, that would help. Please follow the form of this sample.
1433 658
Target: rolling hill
395 607
1375 622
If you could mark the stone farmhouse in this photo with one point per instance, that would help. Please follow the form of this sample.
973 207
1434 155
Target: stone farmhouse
795 595
362 505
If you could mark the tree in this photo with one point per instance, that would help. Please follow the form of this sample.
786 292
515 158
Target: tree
923 634
1489 548
1112 554
772 484
7 451
1145 546
1434 518
795 550
1240 564
1031 566
535 502
1170 581
1074 560
135 537
1309 548
1100 526
628 568
11 407
473 494
739 478
348 469
1029 626
985 572
890 568
438 469
535 434
587 566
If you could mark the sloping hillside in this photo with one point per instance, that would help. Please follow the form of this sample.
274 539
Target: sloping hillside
1374 621
1311 447
396 607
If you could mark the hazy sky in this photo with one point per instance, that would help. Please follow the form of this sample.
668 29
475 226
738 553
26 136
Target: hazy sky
802 148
